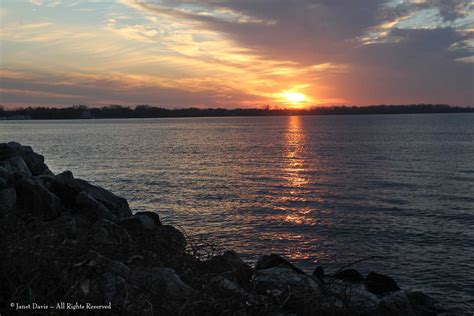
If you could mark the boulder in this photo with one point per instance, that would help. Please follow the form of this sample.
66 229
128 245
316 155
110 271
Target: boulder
67 188
63 227
7 200
117 205
319 272
87 205
4 170
141 221
34 198
34 161
349 275
154 216
165 287
354 297
231 262
380 284
106 232
170 238
422 304
17 164
281 280
395 303
115 282
274 260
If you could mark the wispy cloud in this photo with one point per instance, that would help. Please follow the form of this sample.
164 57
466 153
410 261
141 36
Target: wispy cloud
241 53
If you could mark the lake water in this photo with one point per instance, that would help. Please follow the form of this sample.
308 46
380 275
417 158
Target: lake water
319 189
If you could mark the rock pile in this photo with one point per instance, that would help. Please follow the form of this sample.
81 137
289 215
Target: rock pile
66 240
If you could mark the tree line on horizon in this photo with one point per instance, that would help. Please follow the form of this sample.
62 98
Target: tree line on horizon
146 111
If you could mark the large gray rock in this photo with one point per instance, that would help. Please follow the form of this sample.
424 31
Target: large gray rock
274 260
117 205
422 304
4 169
231 262
17 164
395 303
140 222
3 183
87 205
170 238
63 227
354 297
380 284
281 281
67 188
7 200
34 161
164 285
349 275
34 198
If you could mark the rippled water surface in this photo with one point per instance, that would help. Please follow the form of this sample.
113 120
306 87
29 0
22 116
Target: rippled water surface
321 189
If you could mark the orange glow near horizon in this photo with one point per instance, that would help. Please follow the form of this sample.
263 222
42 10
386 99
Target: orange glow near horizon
293 98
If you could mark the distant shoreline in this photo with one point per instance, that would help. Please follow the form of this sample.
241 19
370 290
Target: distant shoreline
145 111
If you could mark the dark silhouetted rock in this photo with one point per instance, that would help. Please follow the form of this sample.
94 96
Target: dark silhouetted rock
395 303
319 272
170 238
3 171
117 205
7 200
66 175
167 288
282 282
67 188
34 161
380 284
63 226
154 216
423 305
353 296
34 198
17 164
230 261
139 222
349 275
87 205
274 260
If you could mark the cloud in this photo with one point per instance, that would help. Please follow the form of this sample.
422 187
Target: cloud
247 52
382 41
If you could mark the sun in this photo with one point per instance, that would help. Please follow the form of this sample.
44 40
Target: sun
293 97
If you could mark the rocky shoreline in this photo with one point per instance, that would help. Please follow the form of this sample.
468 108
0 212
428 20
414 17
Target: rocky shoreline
67 241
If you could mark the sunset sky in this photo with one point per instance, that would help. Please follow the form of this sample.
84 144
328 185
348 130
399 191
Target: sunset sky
236 53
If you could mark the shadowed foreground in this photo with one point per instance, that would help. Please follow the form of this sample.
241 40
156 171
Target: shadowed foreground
68 245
